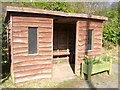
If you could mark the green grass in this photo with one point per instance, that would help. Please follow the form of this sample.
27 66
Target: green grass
31 84
49 83
46 83
112 52
71 83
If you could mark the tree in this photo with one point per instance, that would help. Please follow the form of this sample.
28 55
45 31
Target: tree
96 8
55 6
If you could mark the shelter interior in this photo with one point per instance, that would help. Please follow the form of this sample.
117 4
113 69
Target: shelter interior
64 39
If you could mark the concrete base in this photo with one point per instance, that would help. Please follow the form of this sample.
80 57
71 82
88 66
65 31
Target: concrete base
62 71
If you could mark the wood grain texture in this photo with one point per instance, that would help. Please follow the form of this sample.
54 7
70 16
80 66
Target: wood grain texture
30 67
82 40
33 77
25 66
32 72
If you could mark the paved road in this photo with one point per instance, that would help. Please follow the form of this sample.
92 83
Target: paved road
118 58
115 68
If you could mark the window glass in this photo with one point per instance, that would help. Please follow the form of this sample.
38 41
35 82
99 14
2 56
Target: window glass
32 40
90 39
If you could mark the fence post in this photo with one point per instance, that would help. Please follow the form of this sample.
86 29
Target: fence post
82 73
110 69
89 71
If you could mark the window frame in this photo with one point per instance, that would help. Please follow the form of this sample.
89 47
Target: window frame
37 42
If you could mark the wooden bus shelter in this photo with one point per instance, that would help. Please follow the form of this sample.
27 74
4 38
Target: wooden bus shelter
38 37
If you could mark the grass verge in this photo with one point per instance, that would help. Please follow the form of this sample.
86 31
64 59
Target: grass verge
112 52
115 61
48 83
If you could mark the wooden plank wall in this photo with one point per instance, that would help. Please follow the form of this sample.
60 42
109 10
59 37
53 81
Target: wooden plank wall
37 66
81 41
60 37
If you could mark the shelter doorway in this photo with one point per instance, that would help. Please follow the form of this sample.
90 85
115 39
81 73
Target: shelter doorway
64 40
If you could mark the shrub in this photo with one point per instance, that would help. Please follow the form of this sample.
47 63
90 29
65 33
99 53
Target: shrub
111 33
97 60
106 57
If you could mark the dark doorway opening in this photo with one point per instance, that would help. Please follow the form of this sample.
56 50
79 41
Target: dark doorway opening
64 39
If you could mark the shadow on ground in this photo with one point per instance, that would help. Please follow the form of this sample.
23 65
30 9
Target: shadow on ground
90 84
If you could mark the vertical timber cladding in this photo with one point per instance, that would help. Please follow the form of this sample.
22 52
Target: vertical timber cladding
81 41
31 66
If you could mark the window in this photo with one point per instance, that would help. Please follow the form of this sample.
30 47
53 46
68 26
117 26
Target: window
32 40
90 39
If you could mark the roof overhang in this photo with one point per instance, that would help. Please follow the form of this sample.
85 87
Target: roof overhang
49 12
